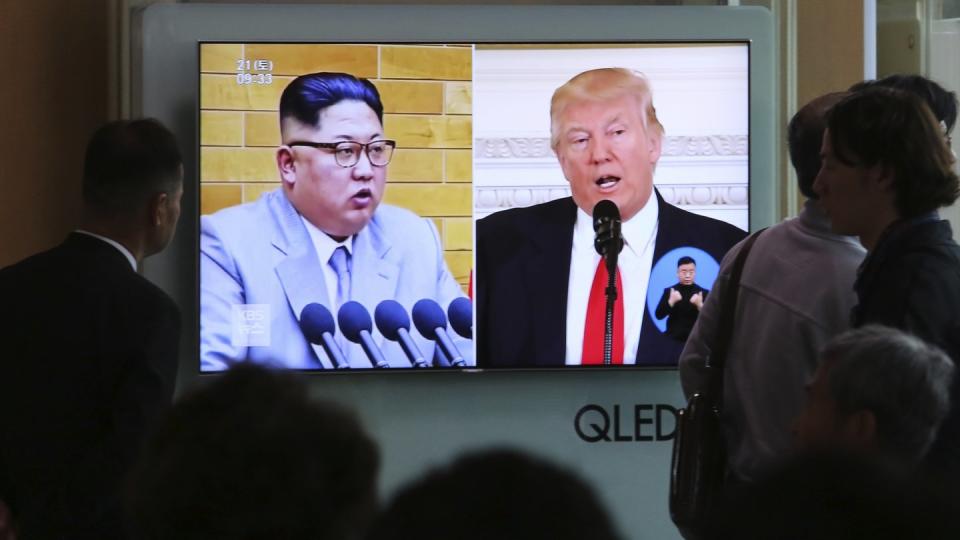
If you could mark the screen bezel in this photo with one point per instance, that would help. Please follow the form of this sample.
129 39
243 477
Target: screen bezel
475 368
182 27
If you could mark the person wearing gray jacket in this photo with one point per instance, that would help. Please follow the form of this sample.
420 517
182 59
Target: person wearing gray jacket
796 292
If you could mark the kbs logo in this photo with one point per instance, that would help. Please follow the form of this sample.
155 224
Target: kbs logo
251 325
641 423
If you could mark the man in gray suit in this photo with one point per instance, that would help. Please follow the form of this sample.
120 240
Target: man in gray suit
322 237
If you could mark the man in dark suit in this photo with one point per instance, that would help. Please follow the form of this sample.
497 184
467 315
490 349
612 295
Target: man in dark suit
90 346
681 302
539 281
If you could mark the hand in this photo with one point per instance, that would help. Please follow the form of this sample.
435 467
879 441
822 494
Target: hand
674 297
697 300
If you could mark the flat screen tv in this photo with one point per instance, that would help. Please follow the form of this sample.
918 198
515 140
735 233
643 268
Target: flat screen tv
430 205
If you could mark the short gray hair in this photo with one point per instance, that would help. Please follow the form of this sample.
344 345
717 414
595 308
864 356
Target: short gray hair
904 381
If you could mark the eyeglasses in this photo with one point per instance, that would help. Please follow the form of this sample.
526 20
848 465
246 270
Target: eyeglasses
347 153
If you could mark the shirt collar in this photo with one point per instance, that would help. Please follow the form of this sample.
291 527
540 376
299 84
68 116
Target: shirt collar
323 244
126 252
637 230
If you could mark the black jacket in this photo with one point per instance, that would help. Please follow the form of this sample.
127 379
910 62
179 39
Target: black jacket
911 281
682 315
89 358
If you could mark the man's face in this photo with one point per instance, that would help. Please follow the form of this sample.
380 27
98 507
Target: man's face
686 273
167 216
338 200
818 422
173 212
606 153
848 194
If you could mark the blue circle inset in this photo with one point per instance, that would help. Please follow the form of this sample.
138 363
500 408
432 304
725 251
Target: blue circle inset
664 274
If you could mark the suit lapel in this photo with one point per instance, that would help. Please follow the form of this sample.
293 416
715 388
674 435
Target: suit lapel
667 239
547 274
299 272
667 232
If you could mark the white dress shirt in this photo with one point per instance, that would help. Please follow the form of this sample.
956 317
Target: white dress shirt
120 247
639 235
325 246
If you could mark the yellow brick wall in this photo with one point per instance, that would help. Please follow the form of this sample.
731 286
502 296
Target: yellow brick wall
426 92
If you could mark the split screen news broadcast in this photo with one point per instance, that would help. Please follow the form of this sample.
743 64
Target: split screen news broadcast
440 206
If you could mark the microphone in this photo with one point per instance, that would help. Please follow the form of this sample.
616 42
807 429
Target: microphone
461 316
606 224
394 324
355 324
431 322
316 322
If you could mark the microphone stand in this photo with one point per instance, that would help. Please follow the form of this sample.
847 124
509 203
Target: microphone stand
608 236
611 293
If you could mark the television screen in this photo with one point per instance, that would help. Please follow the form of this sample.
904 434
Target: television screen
422 206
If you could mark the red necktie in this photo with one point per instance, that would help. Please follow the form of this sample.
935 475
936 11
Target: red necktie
596 315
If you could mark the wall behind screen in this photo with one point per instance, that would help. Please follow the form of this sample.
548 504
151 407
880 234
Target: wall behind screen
51 102
422 419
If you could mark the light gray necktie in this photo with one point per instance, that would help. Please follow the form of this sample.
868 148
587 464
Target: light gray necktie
340 261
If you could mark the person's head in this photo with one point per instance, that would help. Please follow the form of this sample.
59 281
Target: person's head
942 102
337 186
133 177
502 494
686 270
877 390
884 155
805 137
251 456
606 135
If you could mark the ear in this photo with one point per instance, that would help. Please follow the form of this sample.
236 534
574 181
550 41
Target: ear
557 151
879 176
157 209
860 429
654 140
286 165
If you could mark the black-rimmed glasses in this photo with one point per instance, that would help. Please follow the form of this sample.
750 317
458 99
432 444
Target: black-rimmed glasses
347 153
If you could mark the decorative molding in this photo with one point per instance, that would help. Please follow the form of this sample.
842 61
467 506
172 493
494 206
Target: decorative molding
721 195
539 147
705 145
701 195
512 147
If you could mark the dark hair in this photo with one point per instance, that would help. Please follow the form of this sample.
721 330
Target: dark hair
127 162
805 137
686 260
307 95
896 130
251 456
502 494
942 102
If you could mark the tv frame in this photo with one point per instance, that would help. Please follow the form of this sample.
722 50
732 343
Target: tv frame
475 367
166 82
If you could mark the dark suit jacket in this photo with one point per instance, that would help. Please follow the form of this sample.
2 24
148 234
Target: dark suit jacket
89 360
523 269
682 315
911 281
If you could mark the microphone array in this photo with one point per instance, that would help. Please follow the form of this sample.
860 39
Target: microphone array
356 325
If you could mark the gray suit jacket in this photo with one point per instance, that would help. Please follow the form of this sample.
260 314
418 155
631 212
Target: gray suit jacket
261 253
